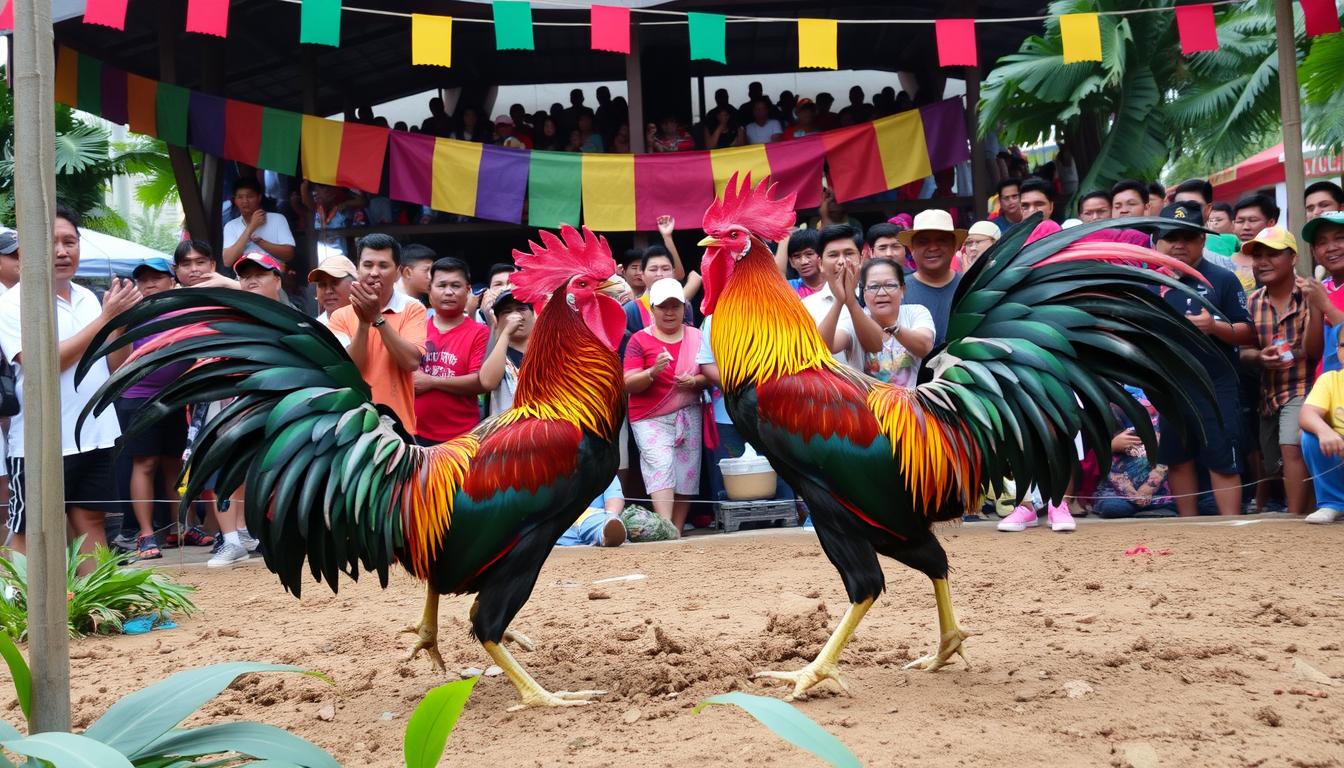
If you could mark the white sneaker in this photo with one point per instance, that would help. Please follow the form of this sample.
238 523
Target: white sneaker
250 542
1324 515
228 555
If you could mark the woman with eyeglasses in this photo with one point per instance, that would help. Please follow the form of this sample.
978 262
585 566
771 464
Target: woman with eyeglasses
907 329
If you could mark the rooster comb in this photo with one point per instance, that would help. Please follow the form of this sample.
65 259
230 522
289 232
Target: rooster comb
551 264
753 208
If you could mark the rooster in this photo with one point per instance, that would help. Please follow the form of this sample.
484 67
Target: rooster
1032 328
334 479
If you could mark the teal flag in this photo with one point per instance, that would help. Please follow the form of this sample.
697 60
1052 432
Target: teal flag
554 189
279 140
320 22
172 102
708 36
513 26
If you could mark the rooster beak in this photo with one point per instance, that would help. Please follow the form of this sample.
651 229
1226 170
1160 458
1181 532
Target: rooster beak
608 283
708 241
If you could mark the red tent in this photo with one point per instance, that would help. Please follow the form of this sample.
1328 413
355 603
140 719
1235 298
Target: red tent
1265 169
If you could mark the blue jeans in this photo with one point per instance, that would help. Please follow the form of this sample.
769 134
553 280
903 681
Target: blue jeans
587 532
1328 471
731 446
1110 508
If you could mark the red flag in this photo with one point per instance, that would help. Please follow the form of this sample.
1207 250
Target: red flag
242 131
611 29
679 183
1321 17
956 42
1195 25
7 16
855 162
363 148
108 13
209 17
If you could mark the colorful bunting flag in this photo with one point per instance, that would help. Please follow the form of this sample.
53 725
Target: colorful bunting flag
90 86
1081 33
108 13
855 163
242 134
1321 17
172 103
431 40
956 42
679 184
363 150
740 160
320 149
609 192
504 170
1196 28
141 105
410 167
280 131
206 122
897 138
945 122
67 76
817 43
709 35
7 15
513 25
611 29
795 165
114 97
554 189
320 22
208 17
457 171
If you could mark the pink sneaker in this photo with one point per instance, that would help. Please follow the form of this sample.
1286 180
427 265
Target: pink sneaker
1023 517
1061 520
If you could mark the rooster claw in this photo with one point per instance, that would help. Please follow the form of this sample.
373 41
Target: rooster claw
805 678
519 639
948 645
429 643
544 698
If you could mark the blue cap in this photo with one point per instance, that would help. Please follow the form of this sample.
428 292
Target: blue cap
156 263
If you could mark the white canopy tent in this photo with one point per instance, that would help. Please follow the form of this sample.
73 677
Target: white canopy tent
102 255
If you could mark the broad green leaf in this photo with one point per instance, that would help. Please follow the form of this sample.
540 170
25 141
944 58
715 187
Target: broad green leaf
141 717
427 730
68 750
18 670
252 739
791 725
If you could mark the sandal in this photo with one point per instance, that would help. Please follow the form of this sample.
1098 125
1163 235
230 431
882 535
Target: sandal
196 536
147 548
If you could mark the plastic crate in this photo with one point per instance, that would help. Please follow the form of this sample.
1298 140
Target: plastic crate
730 515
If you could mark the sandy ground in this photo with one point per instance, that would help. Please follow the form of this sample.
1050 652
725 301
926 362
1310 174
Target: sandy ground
1220 653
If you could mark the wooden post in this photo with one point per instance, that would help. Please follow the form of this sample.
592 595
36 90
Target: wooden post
634 84
1289 97
44 487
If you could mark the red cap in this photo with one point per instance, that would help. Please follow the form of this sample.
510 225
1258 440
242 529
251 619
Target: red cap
263 259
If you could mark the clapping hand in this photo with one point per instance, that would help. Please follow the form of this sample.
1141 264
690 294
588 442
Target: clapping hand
365 302
660 364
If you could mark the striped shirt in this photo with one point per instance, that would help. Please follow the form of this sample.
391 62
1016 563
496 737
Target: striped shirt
1277 387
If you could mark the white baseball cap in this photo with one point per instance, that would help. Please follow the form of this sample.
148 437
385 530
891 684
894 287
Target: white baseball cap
664 289
984 229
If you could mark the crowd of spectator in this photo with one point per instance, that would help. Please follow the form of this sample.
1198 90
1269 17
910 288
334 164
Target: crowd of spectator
443 352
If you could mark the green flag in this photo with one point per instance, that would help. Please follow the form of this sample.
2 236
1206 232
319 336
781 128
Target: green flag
554 189
279 140
89 95
708 31
320 22
513 25
172 102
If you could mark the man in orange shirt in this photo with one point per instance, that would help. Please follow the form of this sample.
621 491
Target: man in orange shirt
383 330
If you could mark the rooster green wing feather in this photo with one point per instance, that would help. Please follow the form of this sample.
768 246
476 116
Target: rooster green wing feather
1035 332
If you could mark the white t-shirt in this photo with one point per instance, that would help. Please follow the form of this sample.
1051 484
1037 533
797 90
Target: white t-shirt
72 316
273 230
894 364
818 304
763 134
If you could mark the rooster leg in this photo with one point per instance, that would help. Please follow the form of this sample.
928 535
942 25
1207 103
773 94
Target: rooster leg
827 664
533 695
428 631
950 636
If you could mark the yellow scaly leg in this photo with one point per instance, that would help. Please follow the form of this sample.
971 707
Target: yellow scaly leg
428 631
531 692
827 664
950 636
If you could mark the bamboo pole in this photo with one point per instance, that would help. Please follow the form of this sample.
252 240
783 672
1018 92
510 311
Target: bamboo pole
44 489
1290 108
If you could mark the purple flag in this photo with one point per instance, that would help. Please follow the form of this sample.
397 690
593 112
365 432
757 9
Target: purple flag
115 95
410 158
945 133
206 120
502 184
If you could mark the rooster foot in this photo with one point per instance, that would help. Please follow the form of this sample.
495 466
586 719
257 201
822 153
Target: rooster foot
519 639
950 643
428 641
806 678
540 697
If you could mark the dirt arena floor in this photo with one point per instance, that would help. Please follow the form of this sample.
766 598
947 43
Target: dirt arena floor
1222 648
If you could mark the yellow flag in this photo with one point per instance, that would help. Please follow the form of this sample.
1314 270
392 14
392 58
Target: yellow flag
900 142
321 148
432 40
817 43
457 165
1082 37
609 192
740 160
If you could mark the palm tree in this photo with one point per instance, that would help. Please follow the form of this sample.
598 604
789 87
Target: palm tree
1323 108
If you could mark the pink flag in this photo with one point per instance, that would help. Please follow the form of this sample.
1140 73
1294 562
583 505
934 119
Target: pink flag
1321 17
611 29
956 42
1197 30
209 17
108 13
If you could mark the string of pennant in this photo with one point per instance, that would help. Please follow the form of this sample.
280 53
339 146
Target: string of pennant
431 35
609 192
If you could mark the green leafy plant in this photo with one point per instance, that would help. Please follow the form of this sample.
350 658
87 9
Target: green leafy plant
791 725
140 730
433 720
100 601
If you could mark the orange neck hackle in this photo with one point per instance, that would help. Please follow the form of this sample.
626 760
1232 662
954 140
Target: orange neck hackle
761 330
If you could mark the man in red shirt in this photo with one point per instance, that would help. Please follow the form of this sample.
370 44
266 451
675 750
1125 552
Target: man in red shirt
447 383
